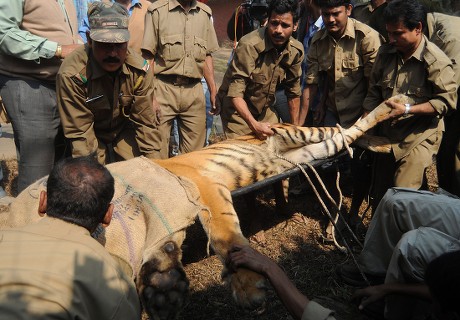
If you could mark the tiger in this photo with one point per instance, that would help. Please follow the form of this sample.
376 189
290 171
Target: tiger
215 171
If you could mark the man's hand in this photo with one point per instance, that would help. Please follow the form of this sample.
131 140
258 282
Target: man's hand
262 130
369 295
157 109
215 106
247 257
397 109
318 116
66 50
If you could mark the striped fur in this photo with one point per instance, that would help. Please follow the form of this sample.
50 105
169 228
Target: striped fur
225 166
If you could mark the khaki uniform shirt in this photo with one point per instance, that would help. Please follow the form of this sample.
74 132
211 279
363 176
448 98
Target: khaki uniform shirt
178 40
444 31
255 71
56 270
427 76
94 106
347 64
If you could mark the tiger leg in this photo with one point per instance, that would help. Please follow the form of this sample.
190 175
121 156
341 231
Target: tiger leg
223 229
162 284
281 190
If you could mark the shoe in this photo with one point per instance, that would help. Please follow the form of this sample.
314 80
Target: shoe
350 275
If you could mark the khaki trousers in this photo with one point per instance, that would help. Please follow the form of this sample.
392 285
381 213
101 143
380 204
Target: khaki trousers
187 104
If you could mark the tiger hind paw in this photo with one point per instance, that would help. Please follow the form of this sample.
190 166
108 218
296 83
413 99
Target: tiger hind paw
163 293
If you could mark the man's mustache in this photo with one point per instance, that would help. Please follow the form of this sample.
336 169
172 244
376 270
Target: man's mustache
111 60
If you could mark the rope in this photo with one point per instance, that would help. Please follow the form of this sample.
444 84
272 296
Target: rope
333 221
235 27
350 151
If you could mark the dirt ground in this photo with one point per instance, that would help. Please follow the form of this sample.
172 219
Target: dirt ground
293 240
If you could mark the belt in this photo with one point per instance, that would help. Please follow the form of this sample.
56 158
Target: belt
177 80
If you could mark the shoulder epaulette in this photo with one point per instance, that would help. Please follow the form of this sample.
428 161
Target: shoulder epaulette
204 7
360 26
296 44
432 54
157 4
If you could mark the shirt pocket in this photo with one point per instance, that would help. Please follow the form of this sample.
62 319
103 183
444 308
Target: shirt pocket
418 94
101 110
352 69
387 86
259 82
172 47
199 49
258 87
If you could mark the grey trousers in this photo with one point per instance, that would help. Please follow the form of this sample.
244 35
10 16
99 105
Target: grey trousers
32 109
410 228
410 259
402 210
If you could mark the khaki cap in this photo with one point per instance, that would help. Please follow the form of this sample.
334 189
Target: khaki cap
108 22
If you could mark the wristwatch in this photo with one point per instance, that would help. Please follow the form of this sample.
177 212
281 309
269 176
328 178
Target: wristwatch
408 107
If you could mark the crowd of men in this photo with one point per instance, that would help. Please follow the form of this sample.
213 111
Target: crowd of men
108 85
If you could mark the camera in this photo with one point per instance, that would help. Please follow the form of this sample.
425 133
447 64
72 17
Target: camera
257 10
251 14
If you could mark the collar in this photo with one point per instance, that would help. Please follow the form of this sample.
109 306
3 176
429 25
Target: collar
59 227
172 4
319 22
349 30
418 53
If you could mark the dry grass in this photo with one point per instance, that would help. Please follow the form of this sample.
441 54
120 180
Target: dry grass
10 173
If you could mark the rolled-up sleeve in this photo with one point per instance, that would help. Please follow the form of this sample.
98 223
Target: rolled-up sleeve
442 77
242 65
311 76
76 118
147 134
150 40
293 74
17 42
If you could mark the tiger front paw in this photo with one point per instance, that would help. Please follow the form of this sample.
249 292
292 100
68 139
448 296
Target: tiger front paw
248 289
